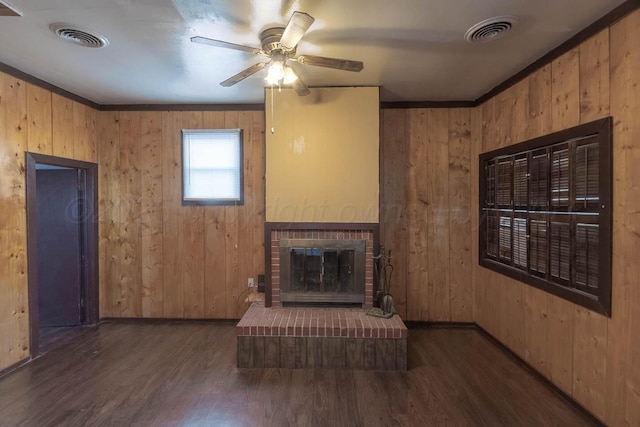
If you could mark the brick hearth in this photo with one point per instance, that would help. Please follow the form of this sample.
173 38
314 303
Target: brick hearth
288 337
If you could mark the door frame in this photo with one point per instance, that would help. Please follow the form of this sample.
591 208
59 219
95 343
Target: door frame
88 180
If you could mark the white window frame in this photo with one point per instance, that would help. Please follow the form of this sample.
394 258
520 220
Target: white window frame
237 198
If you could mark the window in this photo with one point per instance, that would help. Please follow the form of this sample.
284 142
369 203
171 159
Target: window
545 213
212 167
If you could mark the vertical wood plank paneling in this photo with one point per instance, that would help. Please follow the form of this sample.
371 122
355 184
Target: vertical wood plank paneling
560 342
392 214
164 259
594 77
39 120
27 123
589 363
565 83
84 146
193 239
476 147
540 121
215 291
535 329
109 205
172 213
14 323
258 211
62 117
151 214
590 329
245 215
459 191
417 215
232 256
438 229
623 379
130 280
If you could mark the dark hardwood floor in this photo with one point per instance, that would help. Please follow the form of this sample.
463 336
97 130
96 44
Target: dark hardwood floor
53 337
184 374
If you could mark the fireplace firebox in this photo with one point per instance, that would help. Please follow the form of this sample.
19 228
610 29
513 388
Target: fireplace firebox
324 271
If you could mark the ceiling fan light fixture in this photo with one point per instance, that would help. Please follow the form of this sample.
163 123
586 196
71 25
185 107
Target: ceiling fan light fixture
289 76
275 73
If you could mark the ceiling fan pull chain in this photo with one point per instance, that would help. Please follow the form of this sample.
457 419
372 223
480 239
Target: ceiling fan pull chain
272 113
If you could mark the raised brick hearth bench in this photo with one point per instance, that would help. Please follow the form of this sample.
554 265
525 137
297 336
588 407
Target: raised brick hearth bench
336 338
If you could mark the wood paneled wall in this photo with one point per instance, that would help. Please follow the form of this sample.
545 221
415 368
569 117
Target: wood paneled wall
31 119
159 259
425 211
429 218
593 358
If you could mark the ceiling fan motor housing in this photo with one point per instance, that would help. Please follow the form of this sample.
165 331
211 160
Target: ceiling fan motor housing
270 40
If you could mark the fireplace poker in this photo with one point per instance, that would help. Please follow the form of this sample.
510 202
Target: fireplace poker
383 271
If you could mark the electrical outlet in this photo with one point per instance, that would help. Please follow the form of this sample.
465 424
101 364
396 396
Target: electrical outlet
250 282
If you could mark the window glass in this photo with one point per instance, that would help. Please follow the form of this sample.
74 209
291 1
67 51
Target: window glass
212 166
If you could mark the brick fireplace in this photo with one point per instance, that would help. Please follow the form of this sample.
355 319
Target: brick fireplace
344 234
272 335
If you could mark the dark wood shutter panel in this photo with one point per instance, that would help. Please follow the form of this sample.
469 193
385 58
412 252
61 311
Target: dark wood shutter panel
560 178
492 235
491 184
587 240
520 181
505 238
505 175
560 250
538 240
520 242
539 171
545 207
587 175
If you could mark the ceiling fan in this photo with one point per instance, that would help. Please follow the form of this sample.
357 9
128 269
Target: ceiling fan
280 44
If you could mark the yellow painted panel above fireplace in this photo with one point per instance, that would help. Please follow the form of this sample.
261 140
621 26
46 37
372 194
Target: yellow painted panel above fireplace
322 150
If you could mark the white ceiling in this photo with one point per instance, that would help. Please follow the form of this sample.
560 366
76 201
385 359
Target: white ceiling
414 49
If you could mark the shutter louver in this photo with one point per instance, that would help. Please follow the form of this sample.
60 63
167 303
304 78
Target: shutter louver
492 235
520 242
539 172
560 178
491 184
520 182
505 238
587 175
560 250
538 246
587 239
504 183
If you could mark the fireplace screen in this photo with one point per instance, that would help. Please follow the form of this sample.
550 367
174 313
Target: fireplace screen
322 271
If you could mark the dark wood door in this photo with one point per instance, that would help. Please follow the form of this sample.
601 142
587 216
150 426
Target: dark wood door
59 248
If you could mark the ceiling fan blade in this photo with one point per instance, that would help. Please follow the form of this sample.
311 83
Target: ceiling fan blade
299 86
243 74
297 26
220 43
338 64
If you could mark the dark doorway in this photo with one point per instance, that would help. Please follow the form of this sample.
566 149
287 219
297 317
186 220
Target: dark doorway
62 246
59 249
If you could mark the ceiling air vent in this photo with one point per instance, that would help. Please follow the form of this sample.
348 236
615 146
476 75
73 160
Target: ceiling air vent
79 36
490 29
